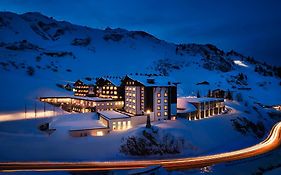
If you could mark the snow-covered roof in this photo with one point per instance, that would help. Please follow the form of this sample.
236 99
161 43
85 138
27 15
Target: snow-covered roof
82 98
184 106
200 100
111 115
115 80
77 122
158 80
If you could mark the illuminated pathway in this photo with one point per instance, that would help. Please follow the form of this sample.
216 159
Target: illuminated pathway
271 142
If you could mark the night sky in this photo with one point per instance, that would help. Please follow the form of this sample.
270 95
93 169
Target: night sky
252 27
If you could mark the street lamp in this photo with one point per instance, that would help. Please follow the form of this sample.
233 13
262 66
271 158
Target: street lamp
148 124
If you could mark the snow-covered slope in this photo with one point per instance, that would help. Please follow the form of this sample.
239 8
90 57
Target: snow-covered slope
37 52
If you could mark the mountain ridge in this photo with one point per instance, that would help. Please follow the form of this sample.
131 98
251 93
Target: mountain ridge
41 47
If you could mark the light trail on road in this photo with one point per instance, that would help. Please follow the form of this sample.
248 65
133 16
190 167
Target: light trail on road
270 143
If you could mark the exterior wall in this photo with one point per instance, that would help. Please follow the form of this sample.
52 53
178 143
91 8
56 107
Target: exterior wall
160 103
138 120
109 105
81 105
134 100
81 90
116 124
89 132
188 115
208 108
109 91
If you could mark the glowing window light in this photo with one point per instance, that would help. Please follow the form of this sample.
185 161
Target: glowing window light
124 125
99 133
129 124
119 125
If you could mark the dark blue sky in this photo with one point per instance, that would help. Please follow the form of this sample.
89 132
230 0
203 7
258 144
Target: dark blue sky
252 27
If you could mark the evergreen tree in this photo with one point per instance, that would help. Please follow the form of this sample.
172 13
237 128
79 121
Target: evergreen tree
209 93
198 94
229 95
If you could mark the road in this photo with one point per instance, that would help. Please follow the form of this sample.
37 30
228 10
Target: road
270 143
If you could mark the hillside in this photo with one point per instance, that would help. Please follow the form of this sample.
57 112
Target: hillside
38 52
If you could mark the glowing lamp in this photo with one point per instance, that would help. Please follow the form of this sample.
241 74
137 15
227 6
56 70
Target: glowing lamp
148 111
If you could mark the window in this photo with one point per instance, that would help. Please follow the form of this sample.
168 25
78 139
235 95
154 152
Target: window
158 94
107 87
165 100
111 87
115 93
158 107
158 114
165 94
158 101
165 113
165 107
115 88
133 83
99 133
133 89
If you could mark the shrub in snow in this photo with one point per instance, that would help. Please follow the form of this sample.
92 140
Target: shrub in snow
81 41
245 126
239 97
151 142
113 37
38 58
30 71
165 66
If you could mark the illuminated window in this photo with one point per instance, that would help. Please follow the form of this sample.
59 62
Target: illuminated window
107 87
111 87
158 107
134 95
165 113
165 101
129 124
99 133
115 88
165 107
115 92
158 114
159 101
166 94
133 89
158 95
133 82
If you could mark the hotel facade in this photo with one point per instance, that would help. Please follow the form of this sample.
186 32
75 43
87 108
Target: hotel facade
154 94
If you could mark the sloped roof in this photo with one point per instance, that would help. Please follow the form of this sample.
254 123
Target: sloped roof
184 106
158 80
